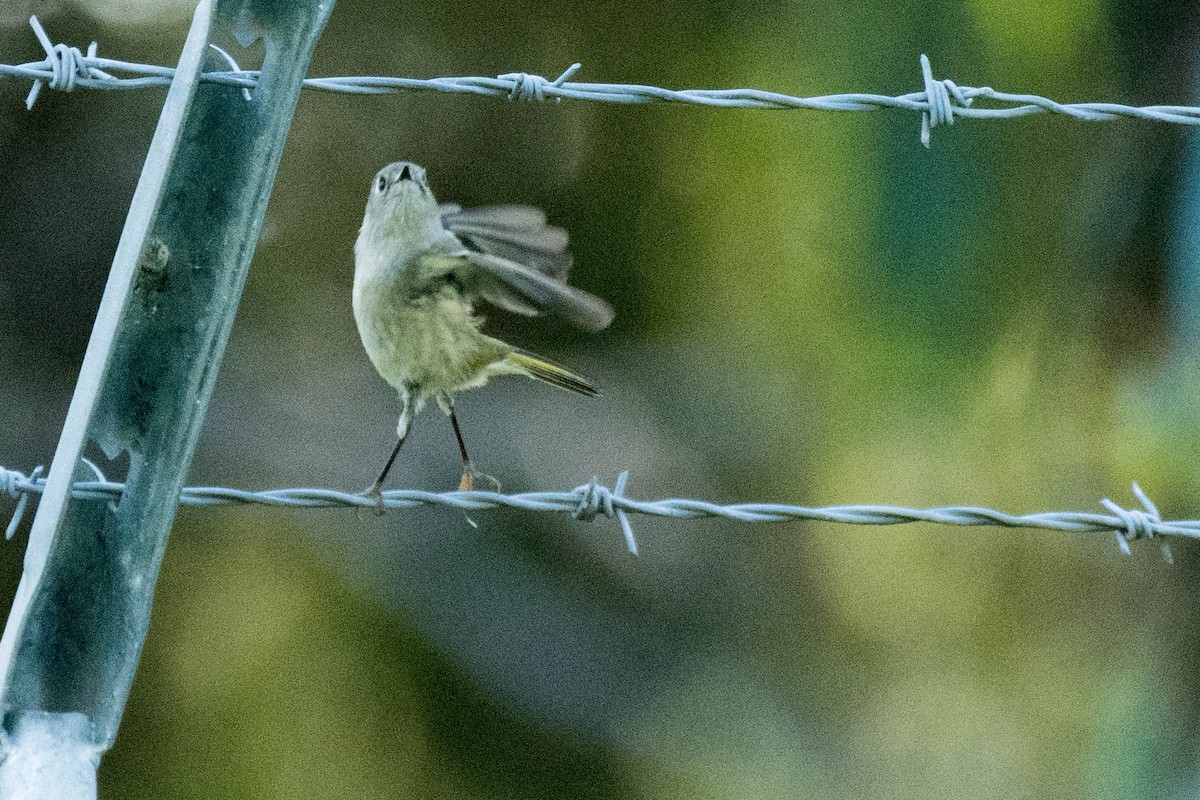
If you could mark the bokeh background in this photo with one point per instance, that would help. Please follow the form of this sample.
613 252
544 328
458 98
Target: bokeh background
812 309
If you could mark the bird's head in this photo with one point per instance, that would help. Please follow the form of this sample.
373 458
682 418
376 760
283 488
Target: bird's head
400 202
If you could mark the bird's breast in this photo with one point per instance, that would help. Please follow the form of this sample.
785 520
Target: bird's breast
430 340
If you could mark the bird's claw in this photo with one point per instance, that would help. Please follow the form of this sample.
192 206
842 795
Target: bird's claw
467 482
375 494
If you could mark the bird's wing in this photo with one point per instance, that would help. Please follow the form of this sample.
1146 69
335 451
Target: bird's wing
516 287
515 233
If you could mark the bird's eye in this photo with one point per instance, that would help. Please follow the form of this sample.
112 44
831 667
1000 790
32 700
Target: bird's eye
380 183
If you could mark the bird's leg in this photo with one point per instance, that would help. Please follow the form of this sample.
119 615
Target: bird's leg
467 482
402 429
376 490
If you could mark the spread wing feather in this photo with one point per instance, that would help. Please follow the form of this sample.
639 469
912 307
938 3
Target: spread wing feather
515 233
575 305
514 287
514 260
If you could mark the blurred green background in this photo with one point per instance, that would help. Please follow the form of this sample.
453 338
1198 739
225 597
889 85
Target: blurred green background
811 308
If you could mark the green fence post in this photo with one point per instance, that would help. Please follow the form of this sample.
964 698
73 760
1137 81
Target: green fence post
77 626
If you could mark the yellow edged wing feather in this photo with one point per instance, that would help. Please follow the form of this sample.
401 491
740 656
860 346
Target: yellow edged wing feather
551 373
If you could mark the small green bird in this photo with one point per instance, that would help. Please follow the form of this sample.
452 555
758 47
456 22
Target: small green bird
419 270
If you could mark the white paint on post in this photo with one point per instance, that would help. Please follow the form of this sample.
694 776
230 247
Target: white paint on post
50 756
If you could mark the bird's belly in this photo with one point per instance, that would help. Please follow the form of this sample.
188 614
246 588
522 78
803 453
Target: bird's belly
430 343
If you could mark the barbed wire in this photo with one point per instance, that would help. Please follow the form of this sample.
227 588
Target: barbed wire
940 101
593 499
65 68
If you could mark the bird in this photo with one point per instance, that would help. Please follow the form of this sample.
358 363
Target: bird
420 270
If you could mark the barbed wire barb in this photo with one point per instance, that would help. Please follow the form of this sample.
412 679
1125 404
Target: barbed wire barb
592 499
223 53
939 102
20 488
1139 523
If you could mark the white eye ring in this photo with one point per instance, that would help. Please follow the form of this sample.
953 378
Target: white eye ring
381 183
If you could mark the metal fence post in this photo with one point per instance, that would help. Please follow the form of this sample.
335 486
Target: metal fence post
77 626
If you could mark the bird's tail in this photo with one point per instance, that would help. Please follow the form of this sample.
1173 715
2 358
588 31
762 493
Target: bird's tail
527 363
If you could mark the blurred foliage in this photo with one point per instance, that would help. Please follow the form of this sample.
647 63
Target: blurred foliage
812 308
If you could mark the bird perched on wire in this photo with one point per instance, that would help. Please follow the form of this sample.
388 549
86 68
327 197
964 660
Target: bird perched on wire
420 269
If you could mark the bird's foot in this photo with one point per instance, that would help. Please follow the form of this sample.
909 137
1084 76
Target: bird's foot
375 493
467 482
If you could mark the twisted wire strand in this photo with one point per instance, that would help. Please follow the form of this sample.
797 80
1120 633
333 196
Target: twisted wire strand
939 103
593 499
